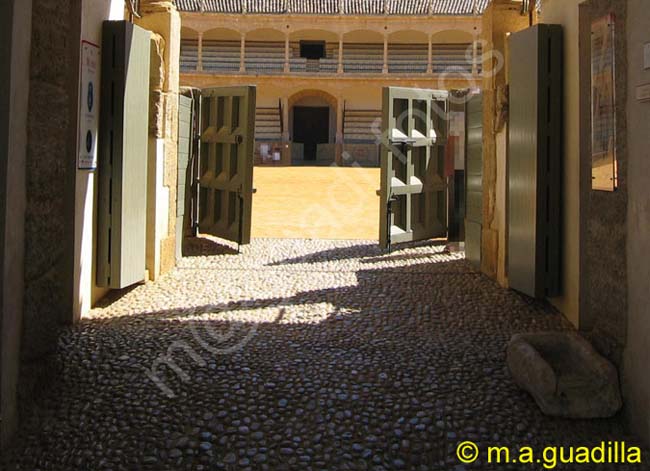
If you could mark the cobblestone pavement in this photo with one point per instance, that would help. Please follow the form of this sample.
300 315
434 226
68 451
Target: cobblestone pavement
298 355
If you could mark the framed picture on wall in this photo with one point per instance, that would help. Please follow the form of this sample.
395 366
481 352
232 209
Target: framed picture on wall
603 104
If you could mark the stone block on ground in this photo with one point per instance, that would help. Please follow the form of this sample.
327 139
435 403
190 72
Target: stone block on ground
565 375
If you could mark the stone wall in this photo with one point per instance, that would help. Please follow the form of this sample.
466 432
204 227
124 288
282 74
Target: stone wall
50 178
614 228
162 19
636 381
48 222
365 155
603 215
49 186
500 18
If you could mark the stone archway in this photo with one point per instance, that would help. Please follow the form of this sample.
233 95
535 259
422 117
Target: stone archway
313 92
314 104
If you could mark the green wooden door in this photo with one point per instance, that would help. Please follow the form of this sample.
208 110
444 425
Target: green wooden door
413 190
227 124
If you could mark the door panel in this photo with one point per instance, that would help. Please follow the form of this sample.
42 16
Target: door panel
535 162
122 155
474 179
227 127
413 190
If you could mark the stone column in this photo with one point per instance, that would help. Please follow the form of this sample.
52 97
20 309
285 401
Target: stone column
287 67
340 66
430 56
199 62
385 68
475 57
242 54
285 119
498 20
163 20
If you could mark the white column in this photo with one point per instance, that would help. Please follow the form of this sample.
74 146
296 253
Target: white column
340 67
287 67
199 59
385 68
285 119
429 57
286 135
338 156
339 120
475 57
242 54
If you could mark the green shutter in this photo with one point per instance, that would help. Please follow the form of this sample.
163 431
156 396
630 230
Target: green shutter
122 155
535 161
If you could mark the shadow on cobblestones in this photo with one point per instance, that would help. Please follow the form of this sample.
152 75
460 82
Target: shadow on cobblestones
382 365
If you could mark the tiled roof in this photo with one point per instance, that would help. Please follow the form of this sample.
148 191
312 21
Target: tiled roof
335 7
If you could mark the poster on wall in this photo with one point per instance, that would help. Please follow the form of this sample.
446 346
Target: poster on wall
88 106
603 105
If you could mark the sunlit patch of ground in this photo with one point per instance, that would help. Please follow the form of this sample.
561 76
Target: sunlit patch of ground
316 203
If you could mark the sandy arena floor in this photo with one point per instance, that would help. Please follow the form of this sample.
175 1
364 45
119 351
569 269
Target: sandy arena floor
316 203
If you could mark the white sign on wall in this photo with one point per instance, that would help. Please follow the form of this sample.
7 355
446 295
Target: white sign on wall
88 106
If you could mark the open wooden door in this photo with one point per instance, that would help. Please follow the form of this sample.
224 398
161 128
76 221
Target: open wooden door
413 190
227 134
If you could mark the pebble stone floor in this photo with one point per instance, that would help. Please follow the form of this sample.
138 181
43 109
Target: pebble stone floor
298 355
